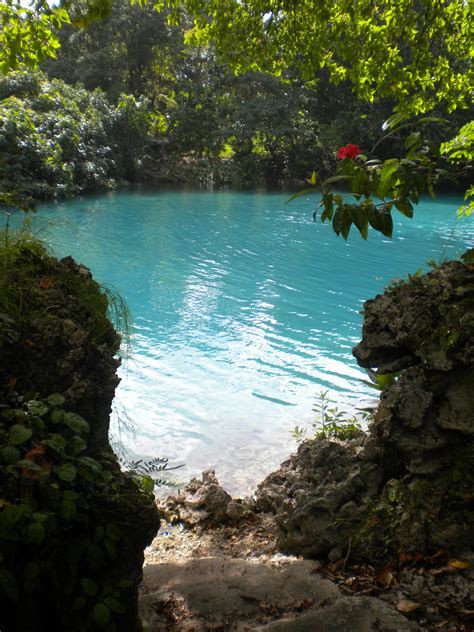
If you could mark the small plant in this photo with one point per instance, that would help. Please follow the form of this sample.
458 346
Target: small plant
147 471
380 381
330 422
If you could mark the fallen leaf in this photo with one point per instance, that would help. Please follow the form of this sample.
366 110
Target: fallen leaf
459 565
405 557
438 553
405 605
384 578
373 521
46 282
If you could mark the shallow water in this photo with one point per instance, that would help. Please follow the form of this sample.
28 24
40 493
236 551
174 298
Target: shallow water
243 311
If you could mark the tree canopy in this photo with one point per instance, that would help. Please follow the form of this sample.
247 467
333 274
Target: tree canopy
418 53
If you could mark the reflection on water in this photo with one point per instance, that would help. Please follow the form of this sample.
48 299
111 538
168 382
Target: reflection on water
244 309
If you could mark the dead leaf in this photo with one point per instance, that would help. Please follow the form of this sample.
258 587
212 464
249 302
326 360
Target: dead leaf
405 605
459 565
46 282
384 578
405 557
373 521
441 570
11 383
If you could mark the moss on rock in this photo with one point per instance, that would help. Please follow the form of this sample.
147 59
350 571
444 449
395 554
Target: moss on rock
72 525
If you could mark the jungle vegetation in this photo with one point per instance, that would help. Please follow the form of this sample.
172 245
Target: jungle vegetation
174 93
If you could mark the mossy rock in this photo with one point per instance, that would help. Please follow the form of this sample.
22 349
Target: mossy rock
73 527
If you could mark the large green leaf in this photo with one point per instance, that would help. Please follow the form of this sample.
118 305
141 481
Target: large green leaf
19 434
101 614
76 422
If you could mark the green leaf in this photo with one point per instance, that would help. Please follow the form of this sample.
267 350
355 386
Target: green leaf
148 484
57 442
115 605
393 121
412 140
328 203
312 180
89 586
37 408
76 422
66 472
68 510
359 216
29 465
35 533
91 464
346 223
359 182
77 444
405 207
19 434
57 416
9 585
11 454
101 614
388 176
56 400
381 221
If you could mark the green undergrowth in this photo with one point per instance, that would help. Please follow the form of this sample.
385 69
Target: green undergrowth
27 265
65 518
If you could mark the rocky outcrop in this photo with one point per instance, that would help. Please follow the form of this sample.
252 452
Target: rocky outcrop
408 485
73 527
61 339
203 503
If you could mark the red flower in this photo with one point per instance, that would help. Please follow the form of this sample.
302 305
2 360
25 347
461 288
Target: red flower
348 151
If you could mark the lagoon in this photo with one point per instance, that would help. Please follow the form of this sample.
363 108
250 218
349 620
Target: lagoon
243 310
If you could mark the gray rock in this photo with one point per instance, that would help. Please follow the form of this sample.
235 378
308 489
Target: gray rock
219 591
400 488
200 503
350 614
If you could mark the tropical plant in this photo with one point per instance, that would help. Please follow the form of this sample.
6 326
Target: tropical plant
330 422
56 140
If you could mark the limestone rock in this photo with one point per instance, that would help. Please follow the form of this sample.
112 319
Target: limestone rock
254 595
409 485
200 503
64 343
350 614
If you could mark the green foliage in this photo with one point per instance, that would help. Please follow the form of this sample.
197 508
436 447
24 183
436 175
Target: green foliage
416 53
61 514
27 33
150 471
57 140
330 423
376 187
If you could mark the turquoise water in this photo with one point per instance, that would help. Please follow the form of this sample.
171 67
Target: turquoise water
243 310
